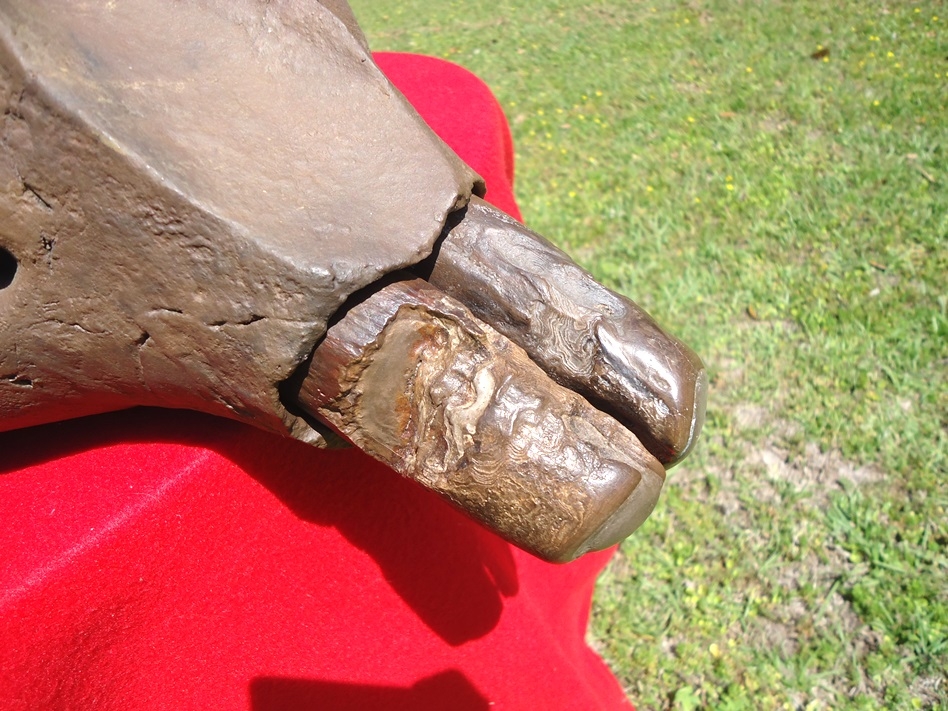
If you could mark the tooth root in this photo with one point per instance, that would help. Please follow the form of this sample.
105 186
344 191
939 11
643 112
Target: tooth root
414 379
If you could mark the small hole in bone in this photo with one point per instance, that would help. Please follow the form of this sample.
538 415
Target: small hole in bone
7 268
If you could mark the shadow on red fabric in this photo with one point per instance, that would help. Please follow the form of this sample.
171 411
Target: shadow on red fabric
283 694
165 560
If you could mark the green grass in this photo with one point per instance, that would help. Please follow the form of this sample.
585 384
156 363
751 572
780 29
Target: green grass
787 217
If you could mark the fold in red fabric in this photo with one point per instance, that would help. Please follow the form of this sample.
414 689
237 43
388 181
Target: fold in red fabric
156 559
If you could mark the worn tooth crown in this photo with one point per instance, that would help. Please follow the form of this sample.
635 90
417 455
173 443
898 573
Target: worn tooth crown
446 400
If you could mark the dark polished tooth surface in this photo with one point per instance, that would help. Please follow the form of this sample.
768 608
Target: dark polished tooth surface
593 341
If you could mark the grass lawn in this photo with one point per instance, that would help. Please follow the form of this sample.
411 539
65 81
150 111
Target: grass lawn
769 180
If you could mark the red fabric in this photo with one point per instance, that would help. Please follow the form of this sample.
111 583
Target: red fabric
169 560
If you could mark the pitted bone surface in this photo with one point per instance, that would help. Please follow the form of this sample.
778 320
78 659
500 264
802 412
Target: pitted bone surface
190 190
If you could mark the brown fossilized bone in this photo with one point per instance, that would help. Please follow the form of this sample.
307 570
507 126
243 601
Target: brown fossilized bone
190 190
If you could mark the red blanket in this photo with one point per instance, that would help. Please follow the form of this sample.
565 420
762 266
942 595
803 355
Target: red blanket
169 560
